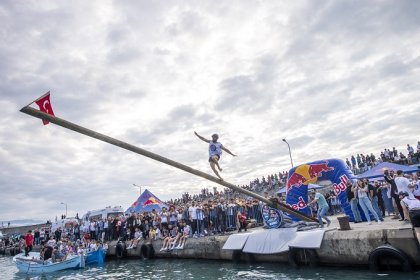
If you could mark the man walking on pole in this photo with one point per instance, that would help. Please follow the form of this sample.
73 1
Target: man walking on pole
215 151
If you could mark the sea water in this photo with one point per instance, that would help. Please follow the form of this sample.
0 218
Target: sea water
200 269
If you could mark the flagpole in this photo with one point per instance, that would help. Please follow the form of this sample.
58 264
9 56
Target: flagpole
48 92
88 132
38 99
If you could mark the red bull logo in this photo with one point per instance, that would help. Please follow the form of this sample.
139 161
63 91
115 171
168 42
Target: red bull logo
342 185
299 205
150 201
307 174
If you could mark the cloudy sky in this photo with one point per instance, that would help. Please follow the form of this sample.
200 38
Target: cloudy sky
333 77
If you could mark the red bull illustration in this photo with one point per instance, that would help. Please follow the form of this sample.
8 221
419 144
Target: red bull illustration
306 174
316 170
300 177
151 200
295 180
146 202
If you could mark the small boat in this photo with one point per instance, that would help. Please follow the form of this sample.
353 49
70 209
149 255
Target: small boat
33 264
95 257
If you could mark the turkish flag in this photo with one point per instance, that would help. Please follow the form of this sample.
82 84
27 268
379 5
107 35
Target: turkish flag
44 105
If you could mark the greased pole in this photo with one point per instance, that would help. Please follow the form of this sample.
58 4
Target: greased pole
88 132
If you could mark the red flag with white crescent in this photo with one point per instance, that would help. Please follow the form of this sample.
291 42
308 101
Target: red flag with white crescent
44 105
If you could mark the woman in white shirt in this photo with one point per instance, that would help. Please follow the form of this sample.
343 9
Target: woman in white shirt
364 201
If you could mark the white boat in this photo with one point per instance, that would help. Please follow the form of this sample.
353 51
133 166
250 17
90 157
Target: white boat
32 263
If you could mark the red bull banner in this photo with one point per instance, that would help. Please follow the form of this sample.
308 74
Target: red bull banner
300 177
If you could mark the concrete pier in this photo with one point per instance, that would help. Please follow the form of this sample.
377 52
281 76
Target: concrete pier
339 247
21 229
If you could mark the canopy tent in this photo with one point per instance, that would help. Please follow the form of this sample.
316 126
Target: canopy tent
281 190
310 186
315 186
377 172
146 202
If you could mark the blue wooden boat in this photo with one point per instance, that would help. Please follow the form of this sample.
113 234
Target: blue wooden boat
95 257
33 264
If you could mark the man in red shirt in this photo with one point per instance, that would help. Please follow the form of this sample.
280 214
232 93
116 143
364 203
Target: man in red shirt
29 240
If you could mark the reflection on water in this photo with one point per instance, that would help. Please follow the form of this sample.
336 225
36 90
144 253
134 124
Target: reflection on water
199 269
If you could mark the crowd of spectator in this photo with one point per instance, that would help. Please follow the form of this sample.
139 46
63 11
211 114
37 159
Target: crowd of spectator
208 214
216 212
267 184
13 242
213 212
363 162
55 246
379 198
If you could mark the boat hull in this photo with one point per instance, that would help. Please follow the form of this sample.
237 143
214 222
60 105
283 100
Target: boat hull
95 257
26 265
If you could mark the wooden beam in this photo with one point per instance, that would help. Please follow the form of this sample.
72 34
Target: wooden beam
77 128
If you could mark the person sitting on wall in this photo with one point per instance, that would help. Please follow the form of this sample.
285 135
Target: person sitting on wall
137 238
171 239
412 208
185 234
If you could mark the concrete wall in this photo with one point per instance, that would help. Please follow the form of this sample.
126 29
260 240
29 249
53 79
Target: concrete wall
353 247
339 248
22 230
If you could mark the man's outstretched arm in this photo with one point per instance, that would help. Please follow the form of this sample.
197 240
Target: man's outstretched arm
201 137
227 151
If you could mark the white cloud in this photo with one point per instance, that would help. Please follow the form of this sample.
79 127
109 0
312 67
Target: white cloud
334 78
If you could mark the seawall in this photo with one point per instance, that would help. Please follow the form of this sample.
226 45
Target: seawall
339 247
22 229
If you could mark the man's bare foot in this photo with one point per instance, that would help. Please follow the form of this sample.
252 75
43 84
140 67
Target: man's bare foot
217 174
220 169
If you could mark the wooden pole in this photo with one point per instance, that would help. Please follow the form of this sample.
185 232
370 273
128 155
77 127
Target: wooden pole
77 128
